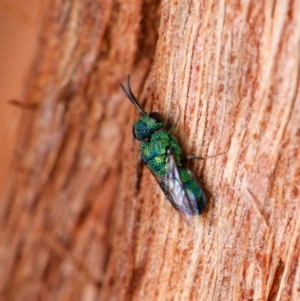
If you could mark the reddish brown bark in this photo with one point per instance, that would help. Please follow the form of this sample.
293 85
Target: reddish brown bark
82 220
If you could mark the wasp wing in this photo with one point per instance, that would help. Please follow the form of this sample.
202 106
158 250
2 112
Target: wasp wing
175 191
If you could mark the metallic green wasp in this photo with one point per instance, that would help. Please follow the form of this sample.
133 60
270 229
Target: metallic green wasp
161 153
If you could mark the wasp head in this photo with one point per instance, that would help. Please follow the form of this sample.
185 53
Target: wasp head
148 125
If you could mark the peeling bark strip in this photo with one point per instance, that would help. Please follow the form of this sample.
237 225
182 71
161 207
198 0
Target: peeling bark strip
80 219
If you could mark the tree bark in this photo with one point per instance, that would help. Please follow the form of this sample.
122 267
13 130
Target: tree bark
81 219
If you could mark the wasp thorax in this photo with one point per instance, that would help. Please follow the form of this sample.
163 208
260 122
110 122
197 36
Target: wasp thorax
148 125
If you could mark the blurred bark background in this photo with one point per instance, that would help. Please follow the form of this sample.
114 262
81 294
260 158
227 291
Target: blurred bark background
81 219
19 28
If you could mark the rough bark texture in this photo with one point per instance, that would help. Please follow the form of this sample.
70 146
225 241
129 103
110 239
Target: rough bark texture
82 220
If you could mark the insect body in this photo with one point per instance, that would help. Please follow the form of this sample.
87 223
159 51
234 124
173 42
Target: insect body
161 153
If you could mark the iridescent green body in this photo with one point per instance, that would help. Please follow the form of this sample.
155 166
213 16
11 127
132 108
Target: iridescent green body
154 152
161 153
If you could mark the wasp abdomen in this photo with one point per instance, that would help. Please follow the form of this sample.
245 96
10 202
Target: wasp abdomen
193 190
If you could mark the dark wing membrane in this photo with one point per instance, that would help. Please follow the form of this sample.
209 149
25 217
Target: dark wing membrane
174 190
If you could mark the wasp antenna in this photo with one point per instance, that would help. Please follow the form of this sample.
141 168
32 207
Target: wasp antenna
128 93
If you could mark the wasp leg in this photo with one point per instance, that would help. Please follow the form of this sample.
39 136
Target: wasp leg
184 160
172 129
197 157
